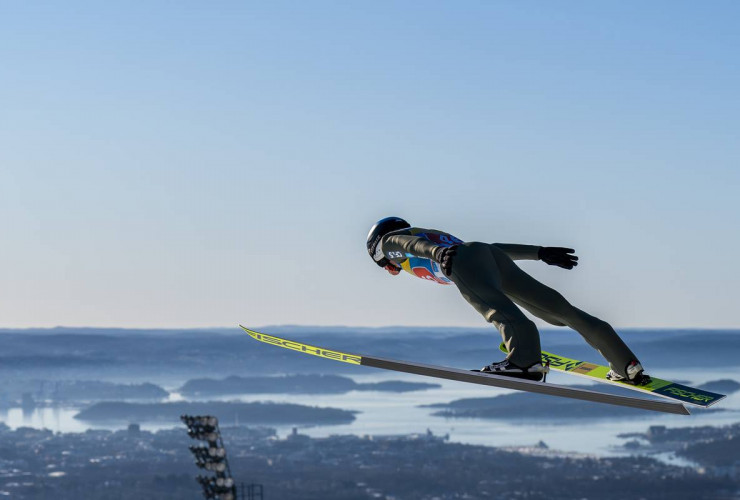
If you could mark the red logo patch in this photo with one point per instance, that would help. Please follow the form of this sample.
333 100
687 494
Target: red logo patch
424 273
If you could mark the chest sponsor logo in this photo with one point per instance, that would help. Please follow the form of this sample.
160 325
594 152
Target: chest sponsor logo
425 274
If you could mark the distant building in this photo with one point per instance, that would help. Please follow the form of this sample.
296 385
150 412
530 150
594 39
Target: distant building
298 438
632 445
134 429
655 431
27 401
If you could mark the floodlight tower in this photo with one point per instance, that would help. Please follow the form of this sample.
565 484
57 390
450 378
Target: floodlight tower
211 457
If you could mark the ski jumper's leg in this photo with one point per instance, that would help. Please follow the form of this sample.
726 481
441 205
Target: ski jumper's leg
477 276
549 305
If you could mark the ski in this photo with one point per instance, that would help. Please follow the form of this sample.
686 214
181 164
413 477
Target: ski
657 387
472 377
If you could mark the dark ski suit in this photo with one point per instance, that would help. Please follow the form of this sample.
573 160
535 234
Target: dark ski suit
492 283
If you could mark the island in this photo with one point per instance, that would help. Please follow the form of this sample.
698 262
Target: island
40 393
540 407
293 384
90 390
232 412
707 445
525 405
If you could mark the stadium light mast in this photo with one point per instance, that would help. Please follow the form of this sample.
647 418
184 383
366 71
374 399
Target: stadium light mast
210 456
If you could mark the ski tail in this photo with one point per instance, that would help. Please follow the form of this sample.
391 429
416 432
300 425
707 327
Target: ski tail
657 387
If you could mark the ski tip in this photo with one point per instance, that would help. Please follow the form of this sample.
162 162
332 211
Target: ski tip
304 348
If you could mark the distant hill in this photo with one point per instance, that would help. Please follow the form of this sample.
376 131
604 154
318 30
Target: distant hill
148 355
87 390
724 386
76 391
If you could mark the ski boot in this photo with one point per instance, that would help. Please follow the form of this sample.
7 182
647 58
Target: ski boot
635 375
534 372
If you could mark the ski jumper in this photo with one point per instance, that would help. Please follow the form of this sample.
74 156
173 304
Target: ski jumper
494 285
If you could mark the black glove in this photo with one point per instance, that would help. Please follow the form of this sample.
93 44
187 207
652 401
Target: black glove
445 259
558 256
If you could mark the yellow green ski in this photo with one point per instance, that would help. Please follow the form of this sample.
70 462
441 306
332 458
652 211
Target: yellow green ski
656 386
471 377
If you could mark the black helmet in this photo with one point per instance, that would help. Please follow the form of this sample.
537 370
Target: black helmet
381 228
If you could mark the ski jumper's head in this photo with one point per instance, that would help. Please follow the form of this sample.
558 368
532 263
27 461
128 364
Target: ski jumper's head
380 229
396 246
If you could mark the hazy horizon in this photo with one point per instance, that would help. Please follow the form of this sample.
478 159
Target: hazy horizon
543 327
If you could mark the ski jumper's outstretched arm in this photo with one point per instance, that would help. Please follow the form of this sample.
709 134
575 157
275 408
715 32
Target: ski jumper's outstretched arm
397 244
520 252
406 241
554 256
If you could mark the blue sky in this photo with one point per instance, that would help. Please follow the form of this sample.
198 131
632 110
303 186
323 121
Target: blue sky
170 164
